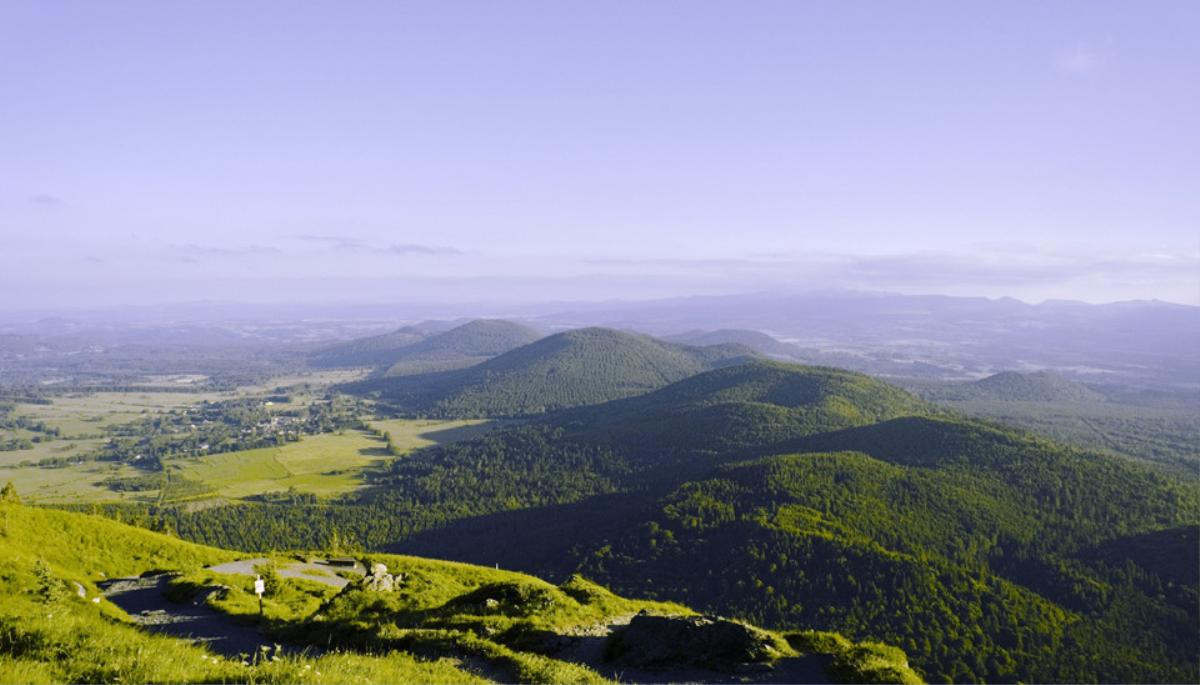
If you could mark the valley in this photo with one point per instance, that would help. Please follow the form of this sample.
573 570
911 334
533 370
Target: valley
709 470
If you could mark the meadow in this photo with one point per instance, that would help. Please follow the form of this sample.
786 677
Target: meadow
86 415
325 465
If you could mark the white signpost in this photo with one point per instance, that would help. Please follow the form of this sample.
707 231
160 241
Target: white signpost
260 586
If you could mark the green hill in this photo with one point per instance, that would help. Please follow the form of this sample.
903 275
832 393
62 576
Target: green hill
579 367
1011 386
462 346
802 497
955 568
444 623
758 402
755 340
372 351
423 349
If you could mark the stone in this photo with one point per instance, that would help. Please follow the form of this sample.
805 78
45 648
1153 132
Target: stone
707 642
379 580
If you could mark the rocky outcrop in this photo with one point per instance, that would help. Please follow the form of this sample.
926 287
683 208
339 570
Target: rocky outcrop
379 580
707 642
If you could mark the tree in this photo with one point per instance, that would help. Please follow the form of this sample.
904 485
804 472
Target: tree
272 581
49 588
9 493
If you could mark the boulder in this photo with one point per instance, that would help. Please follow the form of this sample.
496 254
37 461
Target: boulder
707 642
379 579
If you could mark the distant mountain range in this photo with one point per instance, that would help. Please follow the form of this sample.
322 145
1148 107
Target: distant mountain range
1146 343
424 348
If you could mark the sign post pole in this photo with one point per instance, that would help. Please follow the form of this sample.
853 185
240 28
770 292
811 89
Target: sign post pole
259 587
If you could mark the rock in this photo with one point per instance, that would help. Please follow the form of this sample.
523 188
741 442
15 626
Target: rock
79 589
703 641
379 580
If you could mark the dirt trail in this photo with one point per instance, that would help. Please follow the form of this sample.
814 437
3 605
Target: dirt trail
318 571
144 600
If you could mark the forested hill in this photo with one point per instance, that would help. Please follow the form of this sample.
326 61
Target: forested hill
755 403
372 351
800 496
1011 386
578 367
424 348
461 346
755 340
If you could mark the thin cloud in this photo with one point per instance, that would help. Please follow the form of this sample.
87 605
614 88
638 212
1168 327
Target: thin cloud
416 249
193 251
996 269
46 200
348 243
1078 60
339 242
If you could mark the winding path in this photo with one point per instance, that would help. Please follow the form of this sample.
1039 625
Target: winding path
145 601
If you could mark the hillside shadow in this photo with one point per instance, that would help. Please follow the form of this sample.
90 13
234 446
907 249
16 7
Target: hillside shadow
537 540
443 436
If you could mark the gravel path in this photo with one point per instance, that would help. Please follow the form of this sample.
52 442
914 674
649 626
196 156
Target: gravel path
318 571
145 602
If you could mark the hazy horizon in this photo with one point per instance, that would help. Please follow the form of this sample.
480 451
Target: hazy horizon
434 152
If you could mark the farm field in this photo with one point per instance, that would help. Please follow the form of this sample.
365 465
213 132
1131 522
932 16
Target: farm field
65 447
411 434
70 484
325 465
316 379
88 415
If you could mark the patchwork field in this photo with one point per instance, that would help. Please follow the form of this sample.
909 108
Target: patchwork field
88 415
325 465
48 450
76 483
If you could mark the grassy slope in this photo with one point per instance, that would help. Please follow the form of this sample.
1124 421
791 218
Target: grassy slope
441 613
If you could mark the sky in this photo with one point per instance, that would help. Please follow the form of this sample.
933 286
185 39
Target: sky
442 151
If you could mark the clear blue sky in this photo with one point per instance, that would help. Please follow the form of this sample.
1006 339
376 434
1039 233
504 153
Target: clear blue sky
156 151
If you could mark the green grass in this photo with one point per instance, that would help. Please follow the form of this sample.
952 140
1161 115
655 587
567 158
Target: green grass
865 662
64 447
88 415
447 622
72 642
74 484
411 434
324 465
